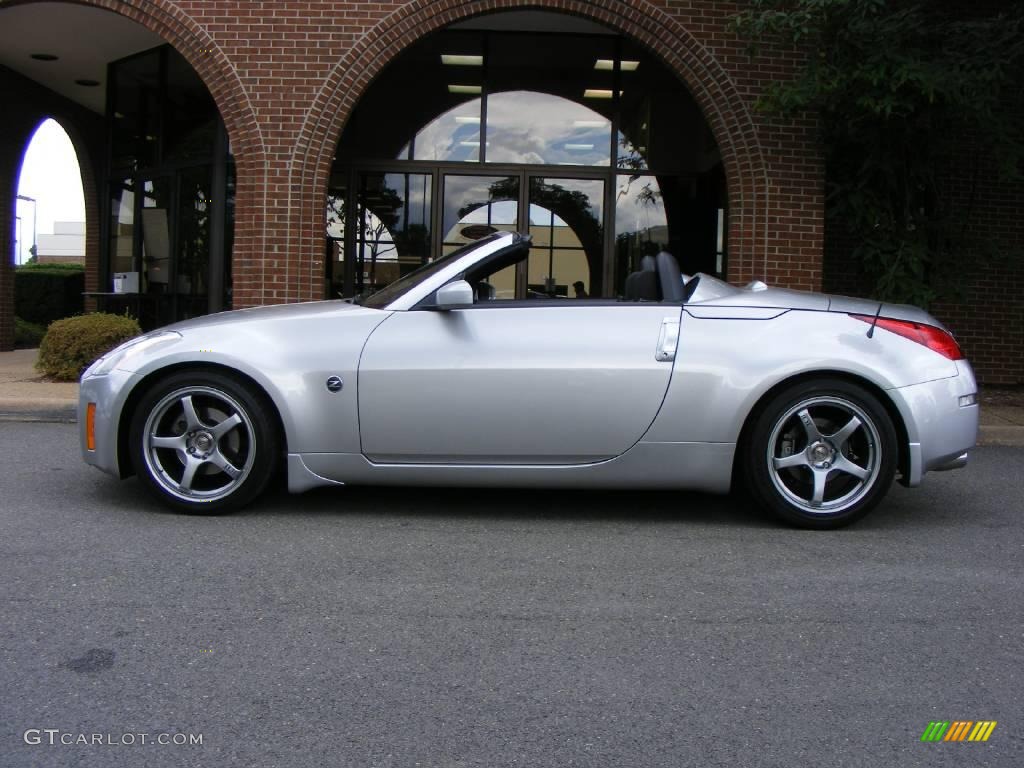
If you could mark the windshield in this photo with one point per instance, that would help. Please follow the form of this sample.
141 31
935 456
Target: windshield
404 284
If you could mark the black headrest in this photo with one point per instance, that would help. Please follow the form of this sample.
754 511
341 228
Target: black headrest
642 286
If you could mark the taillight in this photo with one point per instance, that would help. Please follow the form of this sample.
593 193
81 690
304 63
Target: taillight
934 338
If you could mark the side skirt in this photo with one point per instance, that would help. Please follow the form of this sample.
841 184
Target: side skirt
693 466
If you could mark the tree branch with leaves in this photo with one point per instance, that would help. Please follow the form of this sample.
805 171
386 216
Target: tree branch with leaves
900 90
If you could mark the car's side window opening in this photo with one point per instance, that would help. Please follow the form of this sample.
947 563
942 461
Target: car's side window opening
494 281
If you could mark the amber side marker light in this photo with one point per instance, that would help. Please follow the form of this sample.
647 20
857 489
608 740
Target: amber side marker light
934 338
90 426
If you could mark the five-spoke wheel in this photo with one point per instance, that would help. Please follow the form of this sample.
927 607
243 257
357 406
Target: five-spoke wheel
822 453
203 442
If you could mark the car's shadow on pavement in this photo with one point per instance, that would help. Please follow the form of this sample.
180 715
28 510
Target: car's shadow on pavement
902 509
518 504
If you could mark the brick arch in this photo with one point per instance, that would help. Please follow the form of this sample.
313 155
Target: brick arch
189 38
724 108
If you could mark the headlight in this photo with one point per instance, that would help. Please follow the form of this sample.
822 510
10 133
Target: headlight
128 350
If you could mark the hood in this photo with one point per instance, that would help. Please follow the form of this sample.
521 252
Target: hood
272 314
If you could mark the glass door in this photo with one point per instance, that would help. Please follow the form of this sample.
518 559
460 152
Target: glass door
477 206
392 226
567 256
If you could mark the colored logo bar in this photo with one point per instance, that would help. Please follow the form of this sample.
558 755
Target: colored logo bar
958 730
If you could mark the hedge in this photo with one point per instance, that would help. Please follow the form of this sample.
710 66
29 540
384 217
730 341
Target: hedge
47 292
72 344
27 335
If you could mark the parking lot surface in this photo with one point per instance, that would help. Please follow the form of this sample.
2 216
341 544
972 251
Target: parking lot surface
384 627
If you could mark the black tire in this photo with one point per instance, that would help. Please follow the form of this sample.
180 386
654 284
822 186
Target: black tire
204 442
826 473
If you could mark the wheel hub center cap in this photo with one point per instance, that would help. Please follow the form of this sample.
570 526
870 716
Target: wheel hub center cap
820 454
201 444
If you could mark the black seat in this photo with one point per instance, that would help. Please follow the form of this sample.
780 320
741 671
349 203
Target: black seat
670 277
643 285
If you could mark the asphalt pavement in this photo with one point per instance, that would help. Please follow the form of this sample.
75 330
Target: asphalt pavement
376 627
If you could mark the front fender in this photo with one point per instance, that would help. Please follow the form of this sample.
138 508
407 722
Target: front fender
289 360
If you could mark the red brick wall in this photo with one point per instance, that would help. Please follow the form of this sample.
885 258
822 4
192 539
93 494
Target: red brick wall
988 318
286 75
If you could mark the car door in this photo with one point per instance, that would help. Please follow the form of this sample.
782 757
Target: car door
530 382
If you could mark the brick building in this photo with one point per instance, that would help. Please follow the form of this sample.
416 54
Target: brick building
237 152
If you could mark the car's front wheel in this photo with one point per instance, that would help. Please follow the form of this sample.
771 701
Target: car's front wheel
203 442
821 454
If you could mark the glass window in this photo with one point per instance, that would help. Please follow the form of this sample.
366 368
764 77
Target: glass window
453 137
641 224
193 242
122 227
540 129
566 222
476 206
135 128
392 236
337 210
661 127
190 114
156 236
544 102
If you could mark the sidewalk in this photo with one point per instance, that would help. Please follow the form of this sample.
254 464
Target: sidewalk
24 396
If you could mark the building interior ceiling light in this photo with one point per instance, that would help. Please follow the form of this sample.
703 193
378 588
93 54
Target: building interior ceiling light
599 93
607 65
461 60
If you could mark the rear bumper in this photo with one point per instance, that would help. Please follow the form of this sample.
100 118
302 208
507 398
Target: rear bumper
941 427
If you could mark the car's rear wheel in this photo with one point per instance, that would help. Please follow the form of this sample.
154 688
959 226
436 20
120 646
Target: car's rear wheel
821 454
203 442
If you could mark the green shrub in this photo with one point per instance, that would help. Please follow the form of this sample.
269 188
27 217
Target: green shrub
27 335
58 266
72 344
47 292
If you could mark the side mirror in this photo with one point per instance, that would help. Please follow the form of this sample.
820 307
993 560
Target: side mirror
454 296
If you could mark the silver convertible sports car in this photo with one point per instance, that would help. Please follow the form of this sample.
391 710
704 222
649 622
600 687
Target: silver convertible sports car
813 403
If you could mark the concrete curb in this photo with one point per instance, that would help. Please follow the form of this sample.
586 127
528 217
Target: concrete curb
18 409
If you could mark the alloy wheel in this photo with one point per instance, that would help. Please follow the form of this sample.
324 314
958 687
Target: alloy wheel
199 444
824 454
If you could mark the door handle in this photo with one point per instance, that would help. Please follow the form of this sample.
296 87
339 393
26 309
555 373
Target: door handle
668 341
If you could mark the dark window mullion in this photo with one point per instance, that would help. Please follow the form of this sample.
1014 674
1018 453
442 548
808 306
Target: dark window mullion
485 88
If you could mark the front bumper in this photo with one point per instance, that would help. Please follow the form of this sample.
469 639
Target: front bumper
940 430
109 392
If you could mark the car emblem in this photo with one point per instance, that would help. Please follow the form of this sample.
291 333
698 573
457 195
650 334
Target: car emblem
334 384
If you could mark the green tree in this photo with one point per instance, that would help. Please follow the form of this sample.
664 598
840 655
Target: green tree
900 89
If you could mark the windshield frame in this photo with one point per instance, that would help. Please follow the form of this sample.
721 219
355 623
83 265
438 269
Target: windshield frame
403 286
